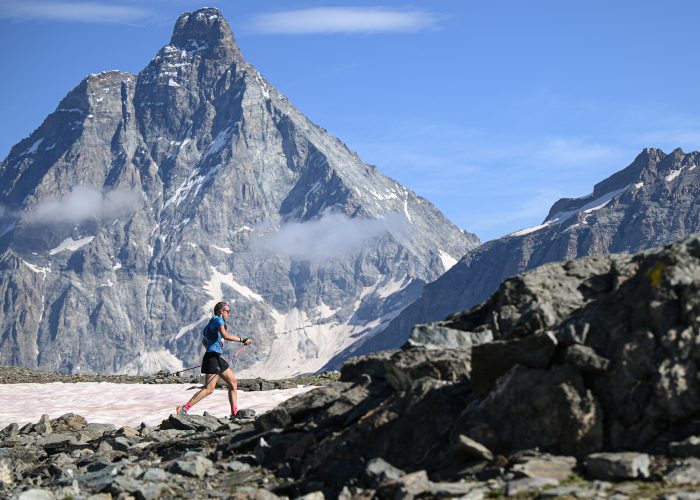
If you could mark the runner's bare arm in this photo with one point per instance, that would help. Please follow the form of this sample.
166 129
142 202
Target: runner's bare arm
233 338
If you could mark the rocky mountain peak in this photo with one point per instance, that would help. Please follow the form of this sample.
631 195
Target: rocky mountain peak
206 32
636 171
228 174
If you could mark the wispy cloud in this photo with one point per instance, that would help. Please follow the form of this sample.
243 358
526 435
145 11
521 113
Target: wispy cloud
325 20
332 236
489 183
568 151
84 203
85 12
444 159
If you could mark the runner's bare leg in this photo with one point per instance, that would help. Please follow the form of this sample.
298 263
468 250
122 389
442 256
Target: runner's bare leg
209 386
232 383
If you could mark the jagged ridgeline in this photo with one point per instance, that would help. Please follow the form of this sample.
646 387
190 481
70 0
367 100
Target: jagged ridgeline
653 201
142 200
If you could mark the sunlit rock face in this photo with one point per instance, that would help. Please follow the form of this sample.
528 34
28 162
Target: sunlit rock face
651 202
142 200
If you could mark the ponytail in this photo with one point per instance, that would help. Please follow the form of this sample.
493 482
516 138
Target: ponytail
218 308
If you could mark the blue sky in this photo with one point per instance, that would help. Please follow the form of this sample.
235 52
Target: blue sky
491 110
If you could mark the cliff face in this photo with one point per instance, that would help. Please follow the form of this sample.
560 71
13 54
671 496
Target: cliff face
651 202
145 199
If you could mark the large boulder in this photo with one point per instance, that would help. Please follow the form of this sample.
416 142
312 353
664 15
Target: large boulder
530 408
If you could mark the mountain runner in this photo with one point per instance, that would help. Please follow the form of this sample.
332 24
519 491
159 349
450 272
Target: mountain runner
213 365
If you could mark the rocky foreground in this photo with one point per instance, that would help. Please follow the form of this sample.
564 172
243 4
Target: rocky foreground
576 380
208 457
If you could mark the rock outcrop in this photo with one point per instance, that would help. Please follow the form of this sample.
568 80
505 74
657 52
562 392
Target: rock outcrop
594 355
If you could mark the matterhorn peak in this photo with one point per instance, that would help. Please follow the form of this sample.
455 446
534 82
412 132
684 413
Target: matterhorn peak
235 187
207 32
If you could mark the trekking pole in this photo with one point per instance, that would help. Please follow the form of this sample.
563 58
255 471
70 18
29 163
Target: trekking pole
185 370
240 349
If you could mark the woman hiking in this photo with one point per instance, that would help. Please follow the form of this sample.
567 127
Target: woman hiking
213 365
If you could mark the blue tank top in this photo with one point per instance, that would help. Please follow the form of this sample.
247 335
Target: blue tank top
213 336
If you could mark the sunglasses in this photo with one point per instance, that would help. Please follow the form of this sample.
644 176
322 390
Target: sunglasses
227 310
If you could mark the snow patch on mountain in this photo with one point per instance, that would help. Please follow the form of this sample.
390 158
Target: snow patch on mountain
562 217
213 288
304 343
528 230
307 349
222 249
193 181
391 287
36 269
589 207
383 288
188 327
150 362
674 173
324 312
221 139
405 210
447 260
71 245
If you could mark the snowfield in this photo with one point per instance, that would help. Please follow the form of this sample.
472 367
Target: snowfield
124 404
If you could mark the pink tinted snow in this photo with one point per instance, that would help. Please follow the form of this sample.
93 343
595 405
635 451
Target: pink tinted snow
124 404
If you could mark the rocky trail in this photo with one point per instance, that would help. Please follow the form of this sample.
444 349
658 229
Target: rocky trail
575 380
209 457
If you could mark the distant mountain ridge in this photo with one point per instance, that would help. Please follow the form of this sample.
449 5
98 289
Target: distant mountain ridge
144 199
653 201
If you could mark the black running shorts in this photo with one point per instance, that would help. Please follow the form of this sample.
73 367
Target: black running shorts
214 363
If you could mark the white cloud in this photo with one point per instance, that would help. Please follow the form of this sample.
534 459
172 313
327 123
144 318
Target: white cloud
332 236
90 12
321 20
85 203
